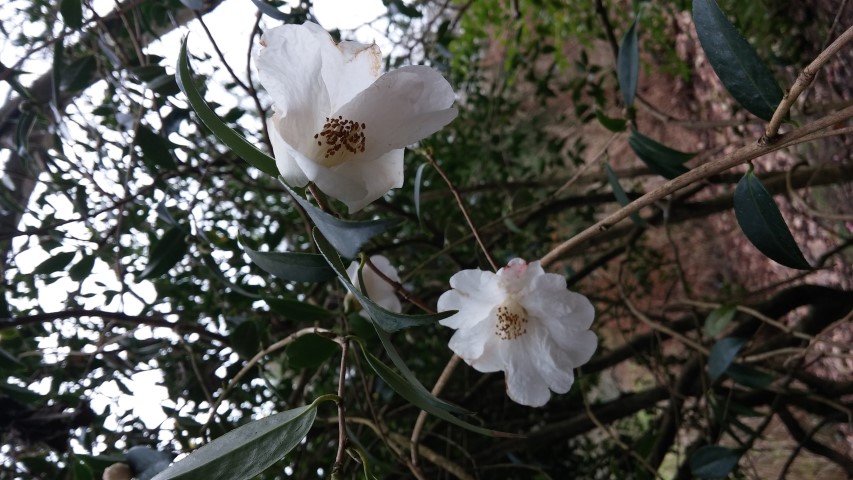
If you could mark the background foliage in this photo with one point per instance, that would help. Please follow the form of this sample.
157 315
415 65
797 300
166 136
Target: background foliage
125 225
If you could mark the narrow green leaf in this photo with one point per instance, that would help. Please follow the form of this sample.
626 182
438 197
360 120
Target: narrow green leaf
763 225
722 354
745 76
229 137
299 311
82 269
22 132
615 125
418 181
719 319
385 319
247 450
750 376
271 11
347 237
54 263
165 253
628 64
406 390
193 4
156 150
292 266
78 74
72 13
661 159
147 462
713 461
310 351
620 195
10 76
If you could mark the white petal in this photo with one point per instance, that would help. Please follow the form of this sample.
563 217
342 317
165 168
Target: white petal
580 347
289 67
475 294
469 343
492 358
358 182
516 277
401 108
554 365
524 384
285 162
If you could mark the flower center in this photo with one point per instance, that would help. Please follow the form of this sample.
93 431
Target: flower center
512 320
340 140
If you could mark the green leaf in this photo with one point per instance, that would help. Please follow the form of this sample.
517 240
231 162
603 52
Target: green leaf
22 132
247 450
347 237
55 263
78 74
722 355
245 339
660 158
615 125
745 76
165 253
72 13
81 471
271 11
713 461
385 319
229 137
299 311
749 376
156 150
193 4
620 195
310 351
418 181
82 268
719 319
292 266
628 64
763 225
418 399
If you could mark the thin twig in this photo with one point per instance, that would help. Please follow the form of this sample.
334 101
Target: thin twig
342 420
258 356
439 386
804 81
461 204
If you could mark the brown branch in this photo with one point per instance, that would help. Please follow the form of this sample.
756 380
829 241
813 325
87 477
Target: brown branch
812 445
742 155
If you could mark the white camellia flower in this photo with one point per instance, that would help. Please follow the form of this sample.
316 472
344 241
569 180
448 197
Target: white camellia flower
377 289
523 321
336 121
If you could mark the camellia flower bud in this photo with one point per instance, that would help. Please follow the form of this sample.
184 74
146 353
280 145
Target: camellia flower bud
375 287
336 121
523 321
